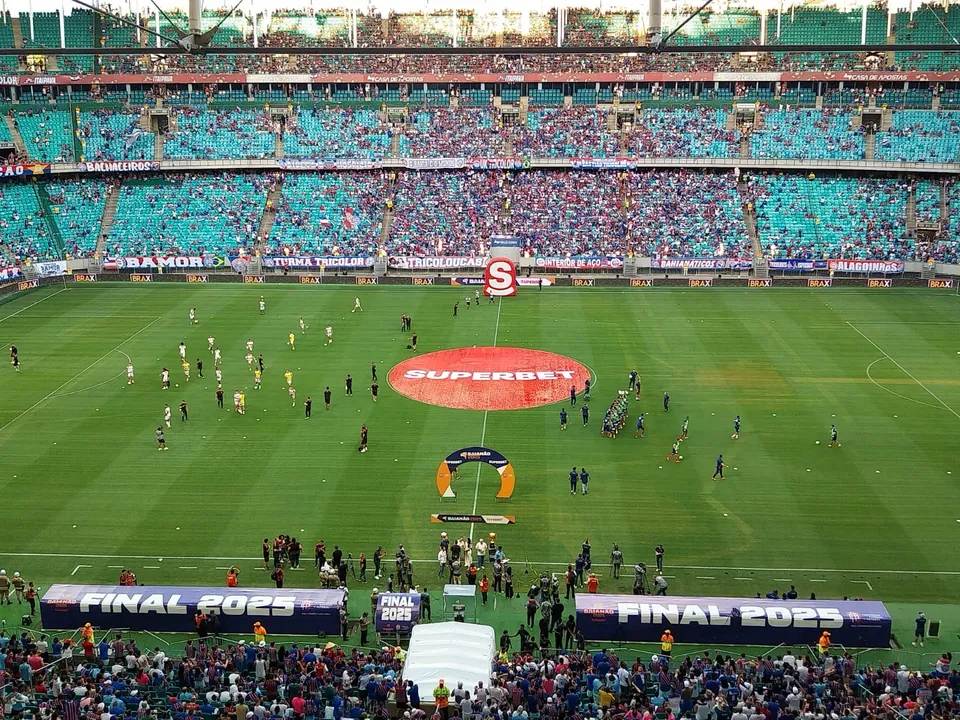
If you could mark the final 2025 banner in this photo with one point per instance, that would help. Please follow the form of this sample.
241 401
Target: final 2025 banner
172 609
732 621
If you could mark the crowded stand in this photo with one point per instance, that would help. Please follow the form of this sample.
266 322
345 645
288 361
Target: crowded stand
337 132
807 134
453 133
76 207
685 214
451 213
114 134
921 136
217 134
331 213
24 223
566 132
683 132
187 214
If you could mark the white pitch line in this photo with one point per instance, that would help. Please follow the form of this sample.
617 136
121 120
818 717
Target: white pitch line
729 568
3 319
79 566
187 567
151 567
906 372
54 392
864 582
114 567
483 431
813 580
703 577
783 580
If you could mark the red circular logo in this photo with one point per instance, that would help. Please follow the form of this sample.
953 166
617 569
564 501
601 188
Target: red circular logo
488 378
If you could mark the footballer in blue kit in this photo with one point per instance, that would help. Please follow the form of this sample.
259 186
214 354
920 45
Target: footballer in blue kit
834 436
585 413
666 402
720 466
736 428
563 418
574 477
641 431
573 394
584 479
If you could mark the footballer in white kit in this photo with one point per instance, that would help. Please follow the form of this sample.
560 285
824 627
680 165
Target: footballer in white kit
193 316
303 327
292 392
216 357
130 380
165 378
210 343
263 305
219 375
356 305
166 415
183 351
329 334
249 345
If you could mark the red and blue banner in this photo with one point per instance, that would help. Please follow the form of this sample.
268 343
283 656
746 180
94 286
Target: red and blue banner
883 267
732 621
397 613
700 263
291 611
580 262
793 265
9 273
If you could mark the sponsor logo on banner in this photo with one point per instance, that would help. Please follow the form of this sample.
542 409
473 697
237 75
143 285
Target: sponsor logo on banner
733 620
196 278
328 261
310 279
537 281
603 163
582 282
705 282
11 272
466 281
172 609
152 262
475 519
797 265
885 283
885 267
640 282
84 277
513 163
500 278
50 269
423 280
400 262
487 378
137 277
9 79
397 612
367 280
759 282
27 284
819 282
253 279
945 284
679 263
118 166
24 169
434 163
579 263
450 468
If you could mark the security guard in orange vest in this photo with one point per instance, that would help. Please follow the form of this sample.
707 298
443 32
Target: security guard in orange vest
823 644
666 643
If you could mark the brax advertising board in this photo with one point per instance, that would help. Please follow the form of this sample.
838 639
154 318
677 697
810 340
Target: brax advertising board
172 609
732 621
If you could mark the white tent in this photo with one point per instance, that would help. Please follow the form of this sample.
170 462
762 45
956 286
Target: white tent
453 651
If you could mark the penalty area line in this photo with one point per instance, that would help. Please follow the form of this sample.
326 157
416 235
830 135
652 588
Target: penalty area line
483 430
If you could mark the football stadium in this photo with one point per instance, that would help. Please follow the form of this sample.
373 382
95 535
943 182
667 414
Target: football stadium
479 361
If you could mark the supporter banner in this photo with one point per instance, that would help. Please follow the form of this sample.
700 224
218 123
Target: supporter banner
328 164
397 613
474 519
797 265
733 621
944 284
433 163
679 263
50 269
400 262
24 169
183 78
172 609
513 163
603 163
325 261
9 273
118 166
885 267
153 262
579 263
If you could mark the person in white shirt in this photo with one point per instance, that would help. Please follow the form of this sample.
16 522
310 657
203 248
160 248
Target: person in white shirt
356 305
216 357
130 380
183 351
481 547
166 415
441 562
790 659
193 316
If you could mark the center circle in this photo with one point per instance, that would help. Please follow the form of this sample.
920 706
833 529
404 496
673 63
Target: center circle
488 378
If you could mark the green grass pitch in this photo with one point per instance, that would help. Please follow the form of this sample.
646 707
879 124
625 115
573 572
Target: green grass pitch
86 491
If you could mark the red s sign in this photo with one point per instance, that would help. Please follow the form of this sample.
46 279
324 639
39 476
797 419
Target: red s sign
500 278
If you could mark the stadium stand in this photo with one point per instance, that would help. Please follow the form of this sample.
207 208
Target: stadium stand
567 132
448 133
921 136
214 134
341 133
807 134
76 207
47 134
683 132
329 213
187 214
23 222
854 218
114 135
445 213
685 213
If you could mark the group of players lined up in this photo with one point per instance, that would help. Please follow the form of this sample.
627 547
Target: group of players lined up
255 364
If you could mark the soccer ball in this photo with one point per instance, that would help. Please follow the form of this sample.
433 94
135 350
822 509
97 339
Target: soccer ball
818 442
681 457
177 385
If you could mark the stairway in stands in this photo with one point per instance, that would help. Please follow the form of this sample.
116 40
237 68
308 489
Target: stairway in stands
15 134
388 210
106 219
269 215
750 219
43 197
